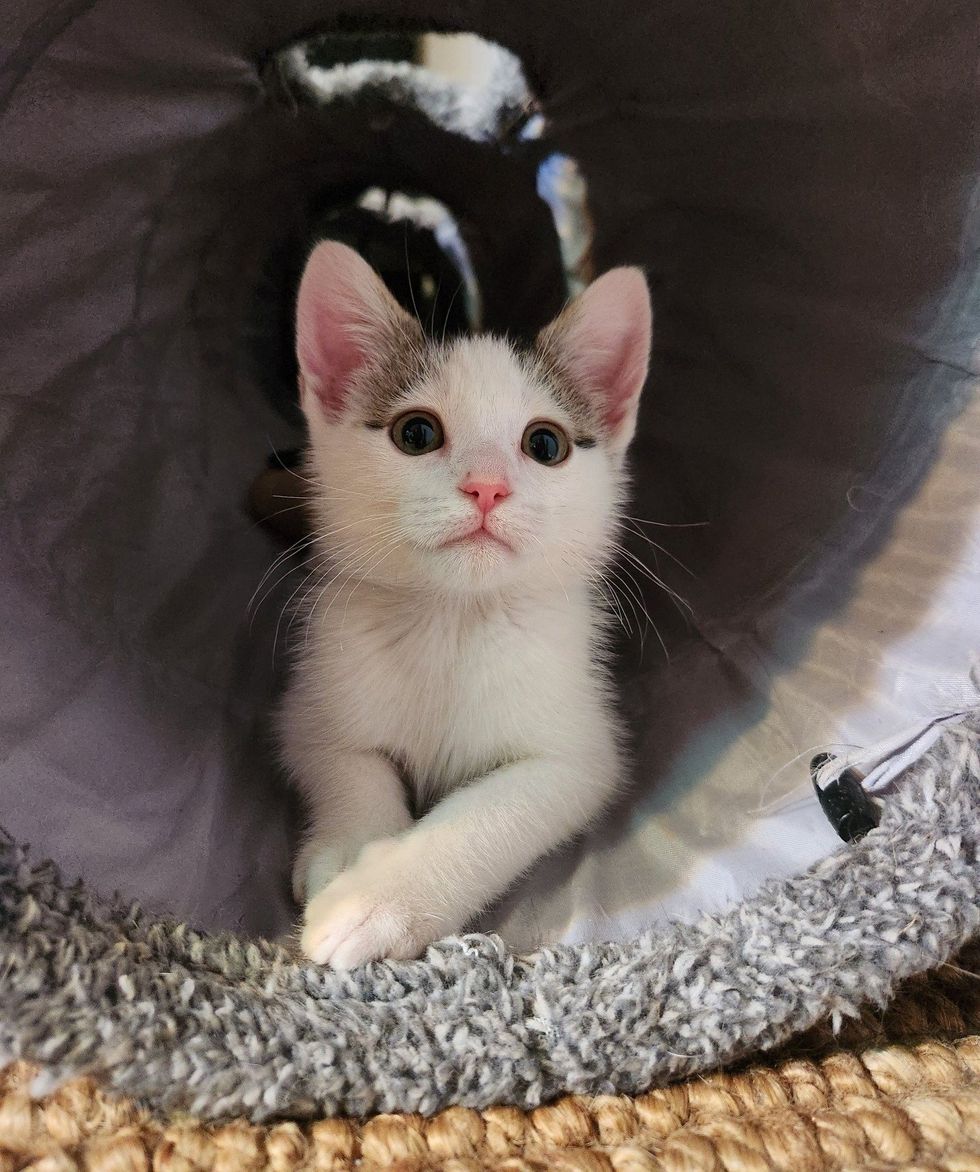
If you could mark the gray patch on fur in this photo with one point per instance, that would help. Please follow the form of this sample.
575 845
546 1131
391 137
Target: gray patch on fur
546 363
393 371
221 1026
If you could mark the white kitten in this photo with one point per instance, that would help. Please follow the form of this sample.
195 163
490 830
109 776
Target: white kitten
466 497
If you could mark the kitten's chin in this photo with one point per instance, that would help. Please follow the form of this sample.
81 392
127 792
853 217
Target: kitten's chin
473 565
463 567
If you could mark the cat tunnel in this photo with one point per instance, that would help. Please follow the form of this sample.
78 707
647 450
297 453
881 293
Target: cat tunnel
800 680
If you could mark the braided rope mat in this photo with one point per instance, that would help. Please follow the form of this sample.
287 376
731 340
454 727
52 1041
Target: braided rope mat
893 1090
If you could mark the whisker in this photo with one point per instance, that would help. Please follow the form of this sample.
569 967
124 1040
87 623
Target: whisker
613 599
657 581
537 539
625 578
435 302
353 564
594 576
350 565
667 524
294 550
370 570
285 467
327 490
329 557
634 600
335 563
408 274
279 512
445 323
301 545
643 537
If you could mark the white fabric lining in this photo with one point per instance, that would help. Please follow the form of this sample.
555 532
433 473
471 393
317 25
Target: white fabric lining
894 664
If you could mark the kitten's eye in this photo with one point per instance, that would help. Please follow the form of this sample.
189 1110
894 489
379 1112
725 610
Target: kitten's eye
416 433
546 443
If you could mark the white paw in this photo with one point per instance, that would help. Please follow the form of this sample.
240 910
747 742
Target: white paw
378 909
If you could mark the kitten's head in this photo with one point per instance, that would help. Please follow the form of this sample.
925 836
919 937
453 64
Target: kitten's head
471 466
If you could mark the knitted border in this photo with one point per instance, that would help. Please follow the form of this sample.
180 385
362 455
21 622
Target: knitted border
222 1027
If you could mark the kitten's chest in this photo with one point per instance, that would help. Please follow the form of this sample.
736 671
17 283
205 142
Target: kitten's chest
450 695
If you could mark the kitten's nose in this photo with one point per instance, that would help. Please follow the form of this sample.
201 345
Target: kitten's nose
487 493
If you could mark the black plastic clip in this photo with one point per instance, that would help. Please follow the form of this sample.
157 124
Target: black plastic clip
848 808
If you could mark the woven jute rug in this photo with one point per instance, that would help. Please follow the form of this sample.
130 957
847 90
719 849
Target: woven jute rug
898 1089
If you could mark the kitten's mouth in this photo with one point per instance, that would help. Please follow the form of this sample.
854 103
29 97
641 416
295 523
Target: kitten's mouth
480 536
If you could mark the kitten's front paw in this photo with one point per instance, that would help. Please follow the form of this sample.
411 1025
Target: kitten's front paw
371 912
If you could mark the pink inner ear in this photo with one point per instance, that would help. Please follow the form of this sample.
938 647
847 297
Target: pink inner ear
343 315
607 343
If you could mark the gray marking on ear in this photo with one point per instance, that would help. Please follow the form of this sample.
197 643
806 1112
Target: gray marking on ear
544 362
390 374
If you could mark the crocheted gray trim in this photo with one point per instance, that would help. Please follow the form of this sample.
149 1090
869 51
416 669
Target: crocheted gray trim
223 1027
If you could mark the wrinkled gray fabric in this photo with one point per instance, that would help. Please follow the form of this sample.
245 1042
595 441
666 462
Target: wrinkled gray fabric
800 184
225 1027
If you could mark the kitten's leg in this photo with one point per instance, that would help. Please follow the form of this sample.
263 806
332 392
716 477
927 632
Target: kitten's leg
402 894
354 799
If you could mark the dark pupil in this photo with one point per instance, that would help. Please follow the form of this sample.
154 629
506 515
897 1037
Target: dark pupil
544 446
418 434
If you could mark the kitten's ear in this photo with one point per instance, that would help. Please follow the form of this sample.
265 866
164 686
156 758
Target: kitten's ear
345 318
602 341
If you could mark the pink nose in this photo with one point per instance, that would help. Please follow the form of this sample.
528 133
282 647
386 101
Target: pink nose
487 493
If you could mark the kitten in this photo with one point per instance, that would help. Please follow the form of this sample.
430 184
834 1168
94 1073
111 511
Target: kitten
466 496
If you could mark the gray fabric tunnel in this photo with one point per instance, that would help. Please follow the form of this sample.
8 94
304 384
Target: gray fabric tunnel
800 184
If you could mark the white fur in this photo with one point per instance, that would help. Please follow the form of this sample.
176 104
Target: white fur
472 675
